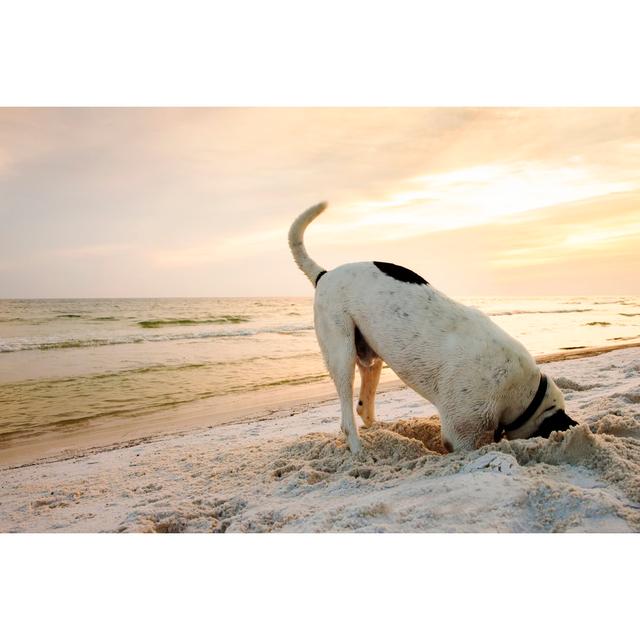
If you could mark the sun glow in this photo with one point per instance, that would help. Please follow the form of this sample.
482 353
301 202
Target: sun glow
599 236
577 241
476 196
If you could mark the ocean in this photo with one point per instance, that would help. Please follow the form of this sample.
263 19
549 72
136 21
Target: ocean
68 363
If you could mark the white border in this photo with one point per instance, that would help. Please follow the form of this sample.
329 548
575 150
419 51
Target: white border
319 586
334 52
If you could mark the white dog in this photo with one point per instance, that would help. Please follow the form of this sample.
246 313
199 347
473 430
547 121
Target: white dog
483 382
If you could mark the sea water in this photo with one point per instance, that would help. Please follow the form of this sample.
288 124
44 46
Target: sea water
65 364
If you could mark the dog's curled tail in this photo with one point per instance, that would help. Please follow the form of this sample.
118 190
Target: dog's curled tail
311 269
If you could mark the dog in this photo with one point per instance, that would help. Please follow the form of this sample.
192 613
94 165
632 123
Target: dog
484 383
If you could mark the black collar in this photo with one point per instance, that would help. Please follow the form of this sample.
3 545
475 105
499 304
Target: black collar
527 413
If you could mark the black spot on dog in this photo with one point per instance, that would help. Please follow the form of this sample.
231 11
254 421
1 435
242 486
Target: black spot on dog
359 403
319 276
400 273
559 421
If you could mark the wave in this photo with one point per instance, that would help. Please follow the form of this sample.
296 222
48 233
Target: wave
629 315
77 343
50 383
627 303
73 316
531 311
597 324
145 324
169 322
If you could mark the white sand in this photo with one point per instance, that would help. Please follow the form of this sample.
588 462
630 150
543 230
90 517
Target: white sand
292 472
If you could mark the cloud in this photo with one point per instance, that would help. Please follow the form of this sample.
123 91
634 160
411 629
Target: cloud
216 251
471 197
607 226
174 194
92 251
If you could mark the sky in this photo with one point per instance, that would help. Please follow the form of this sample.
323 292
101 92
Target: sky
197 202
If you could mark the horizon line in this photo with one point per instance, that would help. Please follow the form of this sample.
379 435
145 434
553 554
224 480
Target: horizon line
479 295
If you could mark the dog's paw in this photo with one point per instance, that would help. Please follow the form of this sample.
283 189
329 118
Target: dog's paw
367 417
355 446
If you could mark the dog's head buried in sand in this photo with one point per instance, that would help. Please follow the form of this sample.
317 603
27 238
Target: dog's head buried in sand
483 382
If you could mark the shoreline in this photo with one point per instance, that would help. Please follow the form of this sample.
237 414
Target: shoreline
119 433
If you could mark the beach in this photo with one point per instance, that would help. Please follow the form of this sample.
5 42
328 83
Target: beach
287 469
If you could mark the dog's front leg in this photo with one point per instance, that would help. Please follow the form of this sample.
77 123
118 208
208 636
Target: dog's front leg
369 378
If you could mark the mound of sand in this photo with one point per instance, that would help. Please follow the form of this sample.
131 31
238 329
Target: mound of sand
316 456
572 385
396 449
425 430
615 425
616 460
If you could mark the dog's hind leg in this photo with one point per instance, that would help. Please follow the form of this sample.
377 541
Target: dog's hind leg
336 337
369 378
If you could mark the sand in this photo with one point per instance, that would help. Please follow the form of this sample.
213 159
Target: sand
291 472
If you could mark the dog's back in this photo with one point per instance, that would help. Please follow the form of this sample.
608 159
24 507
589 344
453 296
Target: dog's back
421 333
